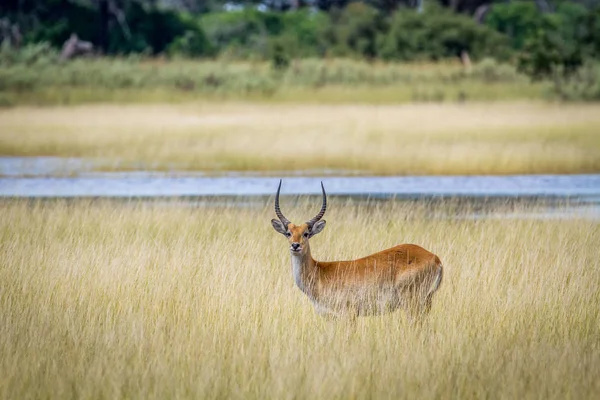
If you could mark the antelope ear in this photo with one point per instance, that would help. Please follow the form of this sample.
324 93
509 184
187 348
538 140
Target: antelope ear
317 227
278 226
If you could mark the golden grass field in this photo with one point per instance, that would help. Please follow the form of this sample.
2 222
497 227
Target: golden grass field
421 139
103 299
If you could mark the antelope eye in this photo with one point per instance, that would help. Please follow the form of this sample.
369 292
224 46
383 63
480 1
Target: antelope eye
288 234
306 234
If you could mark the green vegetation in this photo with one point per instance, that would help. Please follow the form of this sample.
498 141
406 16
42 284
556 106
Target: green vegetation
440 34
355 29
44 81
438 139
273 54
133 300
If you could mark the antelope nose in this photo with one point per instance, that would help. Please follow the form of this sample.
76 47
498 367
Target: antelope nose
295 246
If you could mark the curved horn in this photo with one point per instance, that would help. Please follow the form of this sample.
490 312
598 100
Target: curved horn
323 208
283 219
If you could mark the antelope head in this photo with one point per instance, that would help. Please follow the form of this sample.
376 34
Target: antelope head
298 235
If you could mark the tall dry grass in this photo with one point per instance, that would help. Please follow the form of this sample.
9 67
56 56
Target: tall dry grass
517 138
134 300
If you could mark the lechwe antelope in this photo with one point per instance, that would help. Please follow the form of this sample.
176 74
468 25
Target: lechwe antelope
405 276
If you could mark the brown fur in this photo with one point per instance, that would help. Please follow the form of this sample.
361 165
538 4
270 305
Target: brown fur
405 276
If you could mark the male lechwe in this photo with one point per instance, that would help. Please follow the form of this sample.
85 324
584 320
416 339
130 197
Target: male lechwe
405 276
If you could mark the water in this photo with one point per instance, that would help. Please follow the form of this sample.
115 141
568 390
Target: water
32 178
586 187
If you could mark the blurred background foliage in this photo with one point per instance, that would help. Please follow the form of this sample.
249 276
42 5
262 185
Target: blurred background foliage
554 40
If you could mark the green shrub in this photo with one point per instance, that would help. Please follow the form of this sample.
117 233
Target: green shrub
519 20
563 49
36 53
151 30
57 20
192 43
549 52
489 70
148 29
241 32
437 34
304 33
590 39
280 59
354 31
252 34
522 21
584 85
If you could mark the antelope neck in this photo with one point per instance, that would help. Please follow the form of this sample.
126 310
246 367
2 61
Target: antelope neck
304 270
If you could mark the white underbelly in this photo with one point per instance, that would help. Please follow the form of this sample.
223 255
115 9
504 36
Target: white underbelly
358 301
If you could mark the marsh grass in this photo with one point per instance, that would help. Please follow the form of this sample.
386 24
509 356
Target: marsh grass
138 300
440 139
306 81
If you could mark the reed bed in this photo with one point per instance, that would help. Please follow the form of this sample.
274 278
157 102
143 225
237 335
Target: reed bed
440 139
131 300
49 82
